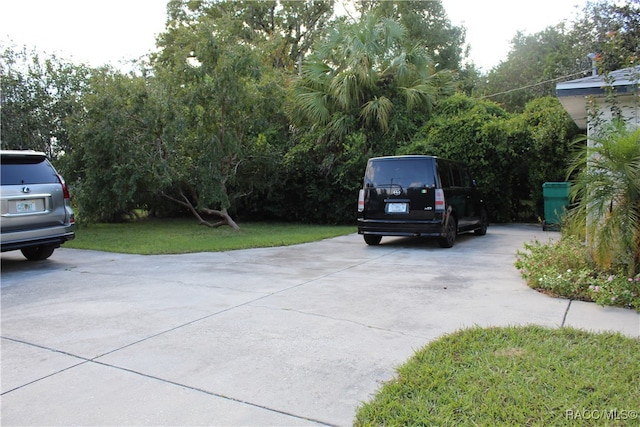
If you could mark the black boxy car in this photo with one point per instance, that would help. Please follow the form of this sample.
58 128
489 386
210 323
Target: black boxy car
422 196
34 205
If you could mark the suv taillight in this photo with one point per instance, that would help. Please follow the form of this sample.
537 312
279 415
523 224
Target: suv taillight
361 201
65 190
439 199
67 199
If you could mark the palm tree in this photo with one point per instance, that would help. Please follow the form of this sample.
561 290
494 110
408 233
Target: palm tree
362 76
607 196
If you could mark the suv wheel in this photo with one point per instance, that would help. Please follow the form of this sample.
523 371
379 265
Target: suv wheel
483 224
372 239
38 253
450 232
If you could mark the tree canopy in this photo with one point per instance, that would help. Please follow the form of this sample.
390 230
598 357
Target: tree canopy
37 94
270 109
363 77
426 23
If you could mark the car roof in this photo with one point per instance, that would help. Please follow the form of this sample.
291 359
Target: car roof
408 156
22 153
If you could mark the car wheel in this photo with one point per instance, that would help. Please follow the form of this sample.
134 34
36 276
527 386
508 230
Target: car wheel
372 239
38 253
450 233
483 224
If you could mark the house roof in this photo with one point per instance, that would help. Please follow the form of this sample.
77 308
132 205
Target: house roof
572 94
624 80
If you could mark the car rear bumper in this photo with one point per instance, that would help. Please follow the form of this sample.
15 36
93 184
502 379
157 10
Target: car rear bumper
49 236
433 228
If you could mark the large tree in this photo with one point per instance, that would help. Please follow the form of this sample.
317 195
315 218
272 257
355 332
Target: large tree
217 95
426 23
366 77
116 139
37 94
534 65
611 30
286 29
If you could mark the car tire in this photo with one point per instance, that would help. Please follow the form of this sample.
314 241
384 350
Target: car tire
38 253
483 224
372 239
450 233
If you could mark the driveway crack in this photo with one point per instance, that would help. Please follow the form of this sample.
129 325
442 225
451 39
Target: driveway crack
566 313
342 319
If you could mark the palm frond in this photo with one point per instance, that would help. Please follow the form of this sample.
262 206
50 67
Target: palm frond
607 193
420 95
313 105
345 89
377 111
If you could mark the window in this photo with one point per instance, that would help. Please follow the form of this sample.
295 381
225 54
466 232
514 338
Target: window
17 171
404 172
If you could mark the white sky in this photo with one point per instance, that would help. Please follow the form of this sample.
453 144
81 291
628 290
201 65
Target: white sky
109 31
491 24
96 32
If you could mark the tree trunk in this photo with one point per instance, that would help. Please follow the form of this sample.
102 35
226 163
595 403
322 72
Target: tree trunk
226 218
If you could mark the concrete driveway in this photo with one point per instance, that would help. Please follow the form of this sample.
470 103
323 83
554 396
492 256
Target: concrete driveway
295 335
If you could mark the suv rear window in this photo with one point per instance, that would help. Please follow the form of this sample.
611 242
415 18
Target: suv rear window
26 170
404 172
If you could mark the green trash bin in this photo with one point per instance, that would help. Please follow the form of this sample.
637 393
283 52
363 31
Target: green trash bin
556 202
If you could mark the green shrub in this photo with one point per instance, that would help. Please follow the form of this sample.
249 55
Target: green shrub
564 268
509 155
617 289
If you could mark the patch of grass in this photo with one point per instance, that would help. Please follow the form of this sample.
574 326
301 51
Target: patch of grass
177 236
513 376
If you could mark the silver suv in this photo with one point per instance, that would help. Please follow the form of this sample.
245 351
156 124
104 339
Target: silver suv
35 206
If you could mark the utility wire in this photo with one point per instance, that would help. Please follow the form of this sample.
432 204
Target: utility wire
534 85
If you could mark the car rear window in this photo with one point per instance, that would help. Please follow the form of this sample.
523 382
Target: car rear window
26 170
405 172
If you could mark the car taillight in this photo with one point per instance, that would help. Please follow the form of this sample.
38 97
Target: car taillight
67 199
439 199
361 201
65 190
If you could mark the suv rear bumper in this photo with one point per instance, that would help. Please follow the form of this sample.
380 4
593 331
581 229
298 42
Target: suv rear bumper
21 239
434 228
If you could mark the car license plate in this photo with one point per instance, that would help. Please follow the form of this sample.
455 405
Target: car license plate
397 207
26 206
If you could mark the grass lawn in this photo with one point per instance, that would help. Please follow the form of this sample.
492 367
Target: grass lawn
177 236
525 376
